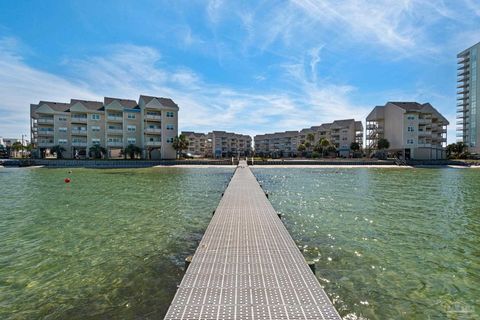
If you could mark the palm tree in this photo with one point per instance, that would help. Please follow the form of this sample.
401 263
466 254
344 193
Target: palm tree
180 143
324 144
310 140
17 146
301 147
383 144
132 151
97 151
58 150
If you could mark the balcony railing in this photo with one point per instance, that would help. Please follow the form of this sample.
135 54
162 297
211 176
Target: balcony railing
115 131
79 132
45 133
115 143
45 121
79 143
79 119
45 143
114 118
154 143
153 130
153 117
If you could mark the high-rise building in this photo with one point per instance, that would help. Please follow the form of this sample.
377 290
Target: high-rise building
413 130
151 124
468 117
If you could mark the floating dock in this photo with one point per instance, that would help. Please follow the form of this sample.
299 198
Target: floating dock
247 266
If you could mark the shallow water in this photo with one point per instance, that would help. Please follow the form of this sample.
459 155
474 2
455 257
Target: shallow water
388 243
110 244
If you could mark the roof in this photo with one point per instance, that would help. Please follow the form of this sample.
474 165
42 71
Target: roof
167 102
57 106
91 105
343 123
408 106
123 102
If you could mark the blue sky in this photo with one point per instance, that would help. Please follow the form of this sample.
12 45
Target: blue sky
244 66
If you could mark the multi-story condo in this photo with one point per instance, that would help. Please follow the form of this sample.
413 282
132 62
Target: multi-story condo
414 130
198 143
468 119
219 144
151 124
229 144
340 133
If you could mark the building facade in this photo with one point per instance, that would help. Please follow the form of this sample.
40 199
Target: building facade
218 144
468 91
151 124
340 133
414 130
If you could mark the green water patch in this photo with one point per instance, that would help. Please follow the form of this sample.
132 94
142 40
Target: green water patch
109 244
388 243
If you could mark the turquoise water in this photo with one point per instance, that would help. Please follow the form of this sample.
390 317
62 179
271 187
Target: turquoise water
388 243
111 244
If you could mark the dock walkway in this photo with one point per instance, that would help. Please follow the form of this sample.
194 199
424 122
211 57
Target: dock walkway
247 266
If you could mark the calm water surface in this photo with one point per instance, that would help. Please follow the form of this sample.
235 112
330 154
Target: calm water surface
108 245
388 243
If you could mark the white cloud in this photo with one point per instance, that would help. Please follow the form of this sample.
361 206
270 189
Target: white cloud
130 70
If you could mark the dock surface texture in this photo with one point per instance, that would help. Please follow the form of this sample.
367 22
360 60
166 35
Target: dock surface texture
247 266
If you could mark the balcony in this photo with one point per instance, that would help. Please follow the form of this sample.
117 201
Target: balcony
115 118
45 121
462 92
46 144
115 143
115 131
79 144
463 73
152 117
153 130
79 119
153 143
45 132
79 132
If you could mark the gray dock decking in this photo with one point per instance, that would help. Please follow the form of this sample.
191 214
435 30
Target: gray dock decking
247 266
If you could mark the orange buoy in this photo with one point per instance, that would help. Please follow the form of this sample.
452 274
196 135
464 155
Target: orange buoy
67 180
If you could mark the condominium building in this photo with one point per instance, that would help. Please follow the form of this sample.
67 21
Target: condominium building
414 130
468 119
219 144
340 133
198 143
151 124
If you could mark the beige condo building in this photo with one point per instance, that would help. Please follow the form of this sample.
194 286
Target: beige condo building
150 124
414 130
340 133
219 144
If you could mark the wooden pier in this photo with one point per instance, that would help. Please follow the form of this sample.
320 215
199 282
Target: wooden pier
247 266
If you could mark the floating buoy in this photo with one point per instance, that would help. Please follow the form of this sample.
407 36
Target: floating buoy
67 180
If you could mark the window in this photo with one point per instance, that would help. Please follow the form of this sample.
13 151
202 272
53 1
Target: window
62 141
410 141
62 129
95 128
170 114
131 140
410 129
62 118
169 140
411 117
95 141
131 116
114 139
95 117
170 127
132 128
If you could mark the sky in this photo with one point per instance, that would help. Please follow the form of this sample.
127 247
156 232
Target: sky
245 66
